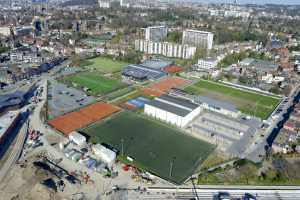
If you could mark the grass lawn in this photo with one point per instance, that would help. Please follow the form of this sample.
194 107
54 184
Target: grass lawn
215 159
130 95
249 173
119 93
103 64
247 102
93 41
98 85
153 145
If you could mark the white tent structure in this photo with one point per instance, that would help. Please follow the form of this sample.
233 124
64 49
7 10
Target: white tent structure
106 155
77 138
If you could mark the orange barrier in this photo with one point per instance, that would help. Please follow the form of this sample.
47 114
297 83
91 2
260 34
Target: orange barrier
82 118
165 85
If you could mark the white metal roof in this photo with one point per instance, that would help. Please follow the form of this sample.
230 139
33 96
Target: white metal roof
104 153
6 120
77 138
197 31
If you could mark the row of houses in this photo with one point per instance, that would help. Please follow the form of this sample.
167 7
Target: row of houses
14 74
288 137
26 54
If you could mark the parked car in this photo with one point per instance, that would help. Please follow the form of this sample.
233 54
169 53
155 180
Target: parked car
248 196
223 196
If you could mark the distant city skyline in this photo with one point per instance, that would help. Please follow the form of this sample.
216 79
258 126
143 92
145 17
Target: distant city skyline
285 2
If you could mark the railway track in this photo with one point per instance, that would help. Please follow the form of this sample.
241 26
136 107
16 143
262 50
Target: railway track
16 151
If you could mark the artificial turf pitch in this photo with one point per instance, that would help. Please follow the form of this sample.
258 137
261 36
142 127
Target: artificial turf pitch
154 146
246 101
97 84
104 64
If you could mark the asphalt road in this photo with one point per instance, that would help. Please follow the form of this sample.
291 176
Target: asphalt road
206 193
257 149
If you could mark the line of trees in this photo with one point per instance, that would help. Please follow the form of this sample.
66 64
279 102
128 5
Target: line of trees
237 57
3 49
224 35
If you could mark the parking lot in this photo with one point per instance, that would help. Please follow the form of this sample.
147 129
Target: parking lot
63 99
231 135
276 113
68 71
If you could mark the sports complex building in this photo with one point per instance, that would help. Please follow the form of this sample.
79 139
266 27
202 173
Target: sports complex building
16 99
12 101
172 110
142 73
214 105
149 70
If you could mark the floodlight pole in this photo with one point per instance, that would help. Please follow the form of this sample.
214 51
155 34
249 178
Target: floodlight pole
171 166
194 187
122 143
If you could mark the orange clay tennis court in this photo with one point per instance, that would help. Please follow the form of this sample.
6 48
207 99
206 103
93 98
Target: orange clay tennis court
173 69
165 85
85 116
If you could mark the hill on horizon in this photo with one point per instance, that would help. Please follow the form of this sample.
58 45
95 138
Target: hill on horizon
79 2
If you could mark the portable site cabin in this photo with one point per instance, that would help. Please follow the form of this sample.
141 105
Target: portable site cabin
77 138
106 155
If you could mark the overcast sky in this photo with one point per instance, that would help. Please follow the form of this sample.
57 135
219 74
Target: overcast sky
255 1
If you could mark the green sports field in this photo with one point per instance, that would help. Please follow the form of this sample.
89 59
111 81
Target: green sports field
98 85
103 64
152 145
94 41
247 102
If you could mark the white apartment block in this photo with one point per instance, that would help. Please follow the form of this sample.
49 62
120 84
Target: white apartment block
124 4
236 13
156 33
166 49
206 64
229 13
5 31
104 3
197 38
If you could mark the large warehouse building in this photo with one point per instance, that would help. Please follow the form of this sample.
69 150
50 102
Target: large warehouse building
8 123
173 110
221 107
